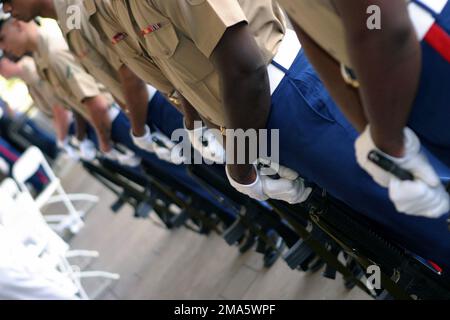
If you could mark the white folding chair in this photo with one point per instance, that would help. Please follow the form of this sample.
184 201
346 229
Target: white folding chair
20 214
28 165
25 276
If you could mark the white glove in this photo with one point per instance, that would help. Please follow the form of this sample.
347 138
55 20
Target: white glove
128 159
145 142
425 196
290 187
254 190
68 149
156 143
205 142
178 155
87 150
162 147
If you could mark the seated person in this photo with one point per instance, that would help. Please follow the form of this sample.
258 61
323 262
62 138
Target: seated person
253 75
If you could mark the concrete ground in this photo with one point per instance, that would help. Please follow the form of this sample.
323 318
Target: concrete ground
155 263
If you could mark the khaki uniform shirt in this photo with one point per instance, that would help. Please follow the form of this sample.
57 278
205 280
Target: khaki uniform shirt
70 82
84 41
175 39
322 22
40 90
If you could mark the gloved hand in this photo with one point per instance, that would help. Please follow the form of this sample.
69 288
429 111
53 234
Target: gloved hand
87 150
289 187
425 196
145 142
205 142
68 149
162 146
128 159
178 155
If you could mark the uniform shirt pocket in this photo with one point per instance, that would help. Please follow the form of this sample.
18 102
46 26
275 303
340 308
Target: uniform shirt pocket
178 53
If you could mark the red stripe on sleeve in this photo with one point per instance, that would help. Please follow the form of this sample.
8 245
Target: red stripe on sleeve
439 39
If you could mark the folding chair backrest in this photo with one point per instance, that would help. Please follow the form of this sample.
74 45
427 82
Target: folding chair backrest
29 164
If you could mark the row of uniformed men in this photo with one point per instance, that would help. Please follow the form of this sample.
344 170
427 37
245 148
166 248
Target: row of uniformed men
232 65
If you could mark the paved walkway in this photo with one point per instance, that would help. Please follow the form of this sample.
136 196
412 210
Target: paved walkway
155 263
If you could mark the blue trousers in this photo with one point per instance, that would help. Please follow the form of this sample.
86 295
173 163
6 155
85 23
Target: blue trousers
318 142
30 131
40 138
430 115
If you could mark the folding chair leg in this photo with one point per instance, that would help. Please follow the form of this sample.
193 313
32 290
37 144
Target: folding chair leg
82 253
74 197
98 274
69 205
55 218
100 290
71 222
94 274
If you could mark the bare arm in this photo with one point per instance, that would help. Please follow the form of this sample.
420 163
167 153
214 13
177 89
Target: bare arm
136 96
98 112
387 63
60 121
245 88
80 126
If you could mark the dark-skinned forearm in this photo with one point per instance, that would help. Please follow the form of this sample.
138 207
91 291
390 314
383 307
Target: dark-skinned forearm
98 112
388 65
80 126
245 89
245 94
60 122
137 98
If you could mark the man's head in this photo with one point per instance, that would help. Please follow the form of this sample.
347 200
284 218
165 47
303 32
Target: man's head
24 10
15 36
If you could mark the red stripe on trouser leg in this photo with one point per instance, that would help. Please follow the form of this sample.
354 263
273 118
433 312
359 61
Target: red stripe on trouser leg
439 39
